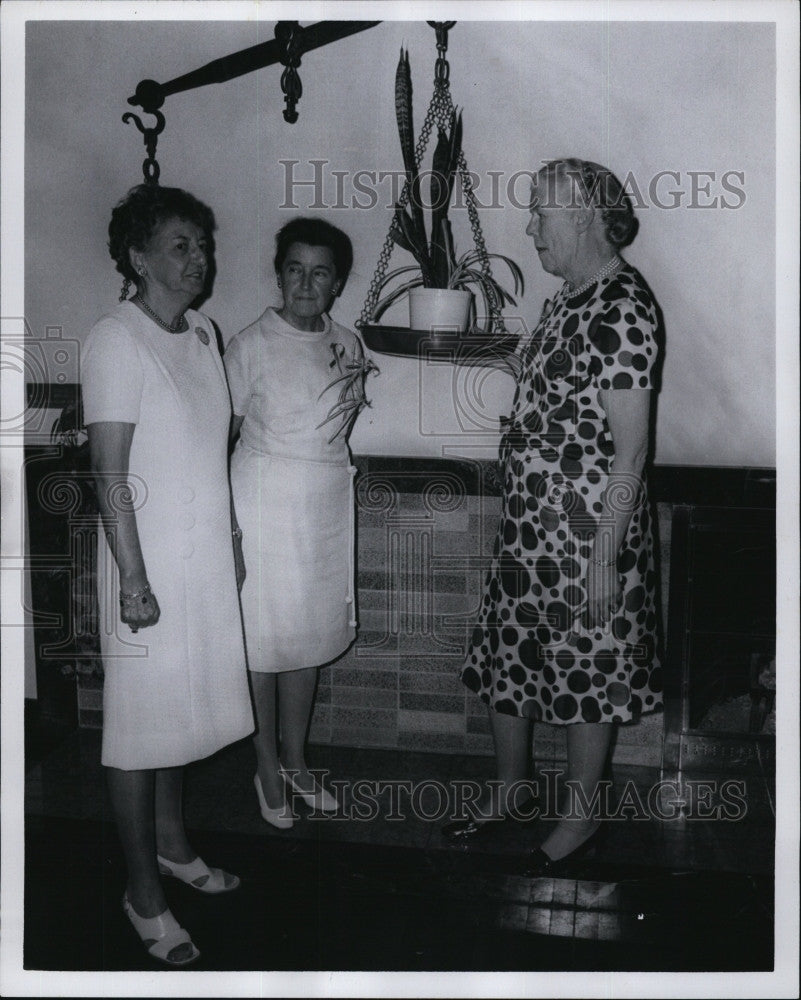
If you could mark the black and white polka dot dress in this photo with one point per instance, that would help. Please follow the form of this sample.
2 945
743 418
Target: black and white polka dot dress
529 654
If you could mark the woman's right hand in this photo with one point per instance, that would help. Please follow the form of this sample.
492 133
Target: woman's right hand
139 610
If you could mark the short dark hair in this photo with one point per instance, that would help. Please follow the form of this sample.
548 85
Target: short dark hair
316 233
138 215
598 186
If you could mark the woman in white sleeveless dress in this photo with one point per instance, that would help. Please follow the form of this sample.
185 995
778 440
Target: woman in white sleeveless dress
296 380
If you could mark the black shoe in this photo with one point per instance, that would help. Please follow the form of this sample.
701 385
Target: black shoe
539 865
463 830
524 813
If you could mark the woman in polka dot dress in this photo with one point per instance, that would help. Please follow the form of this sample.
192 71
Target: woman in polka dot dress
566 628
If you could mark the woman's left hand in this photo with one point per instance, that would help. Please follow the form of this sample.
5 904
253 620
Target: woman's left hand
604 593
239 562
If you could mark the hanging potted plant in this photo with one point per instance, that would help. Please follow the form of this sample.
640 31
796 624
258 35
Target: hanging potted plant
442 288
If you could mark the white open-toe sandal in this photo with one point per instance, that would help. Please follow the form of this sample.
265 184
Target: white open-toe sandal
160 935
198 875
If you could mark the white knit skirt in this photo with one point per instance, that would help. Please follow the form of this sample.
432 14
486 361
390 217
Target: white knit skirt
297 520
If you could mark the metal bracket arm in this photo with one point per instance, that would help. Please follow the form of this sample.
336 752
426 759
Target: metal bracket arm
150 95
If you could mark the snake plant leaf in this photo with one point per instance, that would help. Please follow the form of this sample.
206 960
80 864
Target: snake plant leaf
412 240
403 112
442 255
451 153
443 177
399 230
433 249
439 210
455 148
405 119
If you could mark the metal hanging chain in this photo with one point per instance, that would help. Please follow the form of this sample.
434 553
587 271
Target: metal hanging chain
439 112
288 34
150 167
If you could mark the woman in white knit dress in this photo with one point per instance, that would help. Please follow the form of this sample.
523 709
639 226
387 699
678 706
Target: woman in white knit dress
157 411
296 381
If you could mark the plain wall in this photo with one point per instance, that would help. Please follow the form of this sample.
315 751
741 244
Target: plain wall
640 97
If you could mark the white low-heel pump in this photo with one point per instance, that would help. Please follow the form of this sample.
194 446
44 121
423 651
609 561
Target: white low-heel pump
281 818
319 799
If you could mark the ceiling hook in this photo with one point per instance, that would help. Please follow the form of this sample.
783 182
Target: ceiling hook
150 167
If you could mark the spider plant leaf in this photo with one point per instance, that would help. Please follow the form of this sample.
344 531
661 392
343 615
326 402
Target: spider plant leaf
468 261
517 274
406 269
350 376
472 275
476 279
383 304
344 427
335 411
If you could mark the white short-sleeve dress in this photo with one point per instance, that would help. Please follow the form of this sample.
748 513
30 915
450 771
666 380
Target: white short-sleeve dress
293 492
176 691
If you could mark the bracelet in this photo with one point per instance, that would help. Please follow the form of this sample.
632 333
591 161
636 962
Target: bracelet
603 562
237 533
140 594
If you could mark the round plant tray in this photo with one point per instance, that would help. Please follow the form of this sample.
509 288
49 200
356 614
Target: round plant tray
406 343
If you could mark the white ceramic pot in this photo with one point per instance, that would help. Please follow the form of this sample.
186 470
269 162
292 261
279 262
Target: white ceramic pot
441 309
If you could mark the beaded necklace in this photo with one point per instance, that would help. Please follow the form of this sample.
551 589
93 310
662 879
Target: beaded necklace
180 327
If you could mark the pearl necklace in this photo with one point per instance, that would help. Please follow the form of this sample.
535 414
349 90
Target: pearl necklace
179 327
609 268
